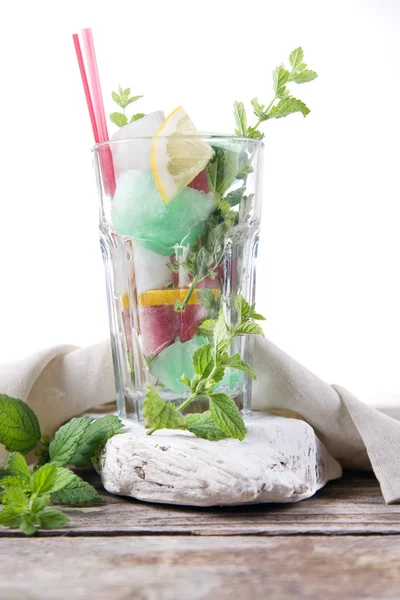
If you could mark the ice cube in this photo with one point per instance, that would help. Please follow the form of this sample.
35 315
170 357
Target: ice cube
151 270
138 211
135 154
176 359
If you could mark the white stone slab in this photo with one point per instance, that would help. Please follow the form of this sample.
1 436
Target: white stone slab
280 460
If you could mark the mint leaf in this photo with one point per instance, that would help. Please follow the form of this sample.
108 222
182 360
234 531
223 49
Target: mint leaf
218 376
132 99
117 99
136 117
203 426
51 519
17 466
207 327
296 58
206 298
254 133
62 479
10 517
211 303
258 109
241 365
203 360
257 317
67 440
304 76
118 119
43 479
26 525
235 197
235 362
287 107
248 327
245 209
94 438
245 311
19 427
158 414
221 338
240 119
76 491
222 169
216 243
40 503
16 498
226 416
243 308
15 482
280 77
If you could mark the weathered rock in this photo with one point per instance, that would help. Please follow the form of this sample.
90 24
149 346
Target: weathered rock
280 460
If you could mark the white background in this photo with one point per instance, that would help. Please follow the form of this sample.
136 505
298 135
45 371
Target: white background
328 277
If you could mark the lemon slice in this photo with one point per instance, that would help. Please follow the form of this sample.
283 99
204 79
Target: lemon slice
177 154
163 297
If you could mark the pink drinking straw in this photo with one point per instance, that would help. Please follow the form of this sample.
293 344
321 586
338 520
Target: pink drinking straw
97 109
91 62
85 86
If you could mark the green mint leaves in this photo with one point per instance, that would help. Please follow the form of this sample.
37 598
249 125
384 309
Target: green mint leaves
300 73
94 438
19 427
283 104
123 98
226 416
222 169
207 255
159 414
67 439
209 362
210 301
203 426
288 106
26 495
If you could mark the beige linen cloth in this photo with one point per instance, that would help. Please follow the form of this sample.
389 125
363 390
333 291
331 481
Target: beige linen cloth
65 381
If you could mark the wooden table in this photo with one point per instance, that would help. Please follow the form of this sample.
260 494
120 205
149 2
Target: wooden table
342 543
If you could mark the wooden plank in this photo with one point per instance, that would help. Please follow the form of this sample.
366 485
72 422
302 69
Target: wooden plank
352 505
174 568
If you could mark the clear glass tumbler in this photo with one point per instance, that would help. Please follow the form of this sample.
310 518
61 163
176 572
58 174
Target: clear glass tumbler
169 266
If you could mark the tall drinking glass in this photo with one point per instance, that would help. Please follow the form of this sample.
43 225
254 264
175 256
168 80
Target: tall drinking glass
170 266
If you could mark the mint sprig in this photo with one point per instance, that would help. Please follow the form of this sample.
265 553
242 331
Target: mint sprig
210 362
27 495
123 98
208 253
282 104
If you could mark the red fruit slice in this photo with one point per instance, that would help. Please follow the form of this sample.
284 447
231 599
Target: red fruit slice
159 328
200 182
189 321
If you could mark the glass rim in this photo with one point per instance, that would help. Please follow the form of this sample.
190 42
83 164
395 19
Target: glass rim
204 136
